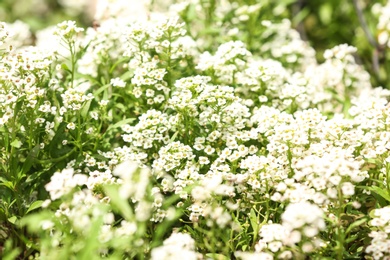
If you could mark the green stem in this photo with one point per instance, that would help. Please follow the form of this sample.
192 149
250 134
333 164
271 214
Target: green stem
73 62
58 159
340 229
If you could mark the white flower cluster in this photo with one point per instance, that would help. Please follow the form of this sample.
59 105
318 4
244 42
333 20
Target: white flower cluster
129 174
272 238
301 223
305 216
150 133
74 98
21 72
379 247
107 9
177 246
68 30
61 183
383 26
227 61
102 45
4 33
152 78
14 35
85 207
266 81
286 44
173 155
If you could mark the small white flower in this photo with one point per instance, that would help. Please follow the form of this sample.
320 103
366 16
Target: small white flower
71 126
203 160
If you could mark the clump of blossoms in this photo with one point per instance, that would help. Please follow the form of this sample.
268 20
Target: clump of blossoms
382 11
380 243
176 246
301 223
286 45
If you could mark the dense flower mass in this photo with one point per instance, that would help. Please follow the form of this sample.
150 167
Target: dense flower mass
149 137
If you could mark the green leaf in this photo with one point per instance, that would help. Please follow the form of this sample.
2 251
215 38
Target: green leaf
119 204
34 221
16 143
325 13
7 184
356 224
91 242
32 155
173 138
117 63
161 230
286 2
59 136
217 256
65 67
36 204
101 89
253 220
352 238
121 123
10 252
254 223
6 138
127 75
84 111
13 219
381 192
301 16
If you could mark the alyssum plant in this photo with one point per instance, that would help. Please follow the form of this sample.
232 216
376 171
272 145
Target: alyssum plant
155 139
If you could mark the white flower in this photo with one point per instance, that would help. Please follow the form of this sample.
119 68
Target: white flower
177 246
203 160
118 82
71 126
63 182
303 215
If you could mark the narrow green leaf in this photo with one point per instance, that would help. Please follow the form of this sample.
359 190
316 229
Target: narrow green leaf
91 242
36 204
301 16
100 90
85 109
117 63
64 66
32 155
118 203
352 238
217 256
7 184
356 224
253 220
173 138
381 192
120 123
325 13
127 75
286 2
10 251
